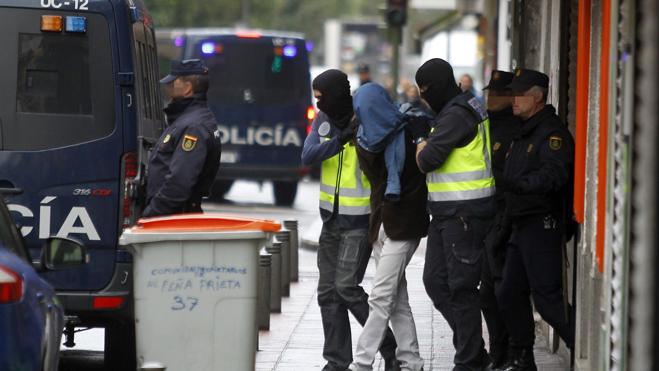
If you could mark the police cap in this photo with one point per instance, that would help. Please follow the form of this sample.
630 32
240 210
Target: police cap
363 67
499 80
185 68
525 79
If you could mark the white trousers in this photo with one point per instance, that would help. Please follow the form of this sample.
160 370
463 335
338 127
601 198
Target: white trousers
389 302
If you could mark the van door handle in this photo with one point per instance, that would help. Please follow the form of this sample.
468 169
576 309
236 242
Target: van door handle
8 188
11 191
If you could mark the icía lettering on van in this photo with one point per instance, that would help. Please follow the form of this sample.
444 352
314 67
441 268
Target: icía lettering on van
261 135
77 221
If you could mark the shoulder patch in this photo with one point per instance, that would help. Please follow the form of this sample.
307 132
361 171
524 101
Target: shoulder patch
555 142
497 145
167 138
324 129
478 107
189 142
529 149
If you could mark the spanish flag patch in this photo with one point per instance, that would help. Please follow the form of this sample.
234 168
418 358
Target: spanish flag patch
555 142
189 142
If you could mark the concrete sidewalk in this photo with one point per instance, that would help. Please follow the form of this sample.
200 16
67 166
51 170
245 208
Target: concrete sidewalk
295 339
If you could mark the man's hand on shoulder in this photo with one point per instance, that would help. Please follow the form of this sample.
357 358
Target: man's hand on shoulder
418 126
349 131
419 148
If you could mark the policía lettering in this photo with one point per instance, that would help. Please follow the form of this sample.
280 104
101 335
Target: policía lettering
260 135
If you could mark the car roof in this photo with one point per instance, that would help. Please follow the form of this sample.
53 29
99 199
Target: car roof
221 31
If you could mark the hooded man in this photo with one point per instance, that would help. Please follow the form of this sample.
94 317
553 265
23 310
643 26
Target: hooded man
456 160
386 151
343 250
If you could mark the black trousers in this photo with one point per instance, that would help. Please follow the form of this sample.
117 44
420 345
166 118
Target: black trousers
496 324
533 267
493 263
451 275
342 259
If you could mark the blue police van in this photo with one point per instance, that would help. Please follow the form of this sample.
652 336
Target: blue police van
260 92
79 109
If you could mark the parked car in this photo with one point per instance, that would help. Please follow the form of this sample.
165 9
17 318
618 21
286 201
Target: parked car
31 317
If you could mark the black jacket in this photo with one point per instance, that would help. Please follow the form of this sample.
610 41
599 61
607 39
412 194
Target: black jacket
185 161
538 175
504 127
455 127
406 218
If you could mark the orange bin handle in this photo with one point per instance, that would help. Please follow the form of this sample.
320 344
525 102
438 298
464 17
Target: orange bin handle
206 223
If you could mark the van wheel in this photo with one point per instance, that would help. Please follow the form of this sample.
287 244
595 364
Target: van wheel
120 349
219 189
285 193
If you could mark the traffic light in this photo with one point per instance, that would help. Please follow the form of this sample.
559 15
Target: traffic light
396 13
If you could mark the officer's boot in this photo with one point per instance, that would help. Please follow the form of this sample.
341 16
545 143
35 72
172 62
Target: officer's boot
391 365
511 354
499 356
523 361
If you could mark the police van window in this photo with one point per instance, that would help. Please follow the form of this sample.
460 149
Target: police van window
53 75
249 71
59 88
146 78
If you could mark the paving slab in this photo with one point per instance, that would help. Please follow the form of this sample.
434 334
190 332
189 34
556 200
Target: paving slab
295 340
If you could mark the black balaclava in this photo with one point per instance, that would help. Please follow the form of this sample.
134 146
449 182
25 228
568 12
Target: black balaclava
335 101
436 75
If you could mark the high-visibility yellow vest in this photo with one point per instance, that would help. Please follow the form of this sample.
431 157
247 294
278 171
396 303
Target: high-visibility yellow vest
341 176
467 172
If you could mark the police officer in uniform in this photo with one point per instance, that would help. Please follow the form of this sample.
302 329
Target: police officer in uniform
184 162
503 127
456 159
343 250
537 181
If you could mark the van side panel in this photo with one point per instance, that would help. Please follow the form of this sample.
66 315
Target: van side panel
70 189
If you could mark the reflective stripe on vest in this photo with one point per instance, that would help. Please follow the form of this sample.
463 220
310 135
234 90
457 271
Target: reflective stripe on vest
342 171
467 172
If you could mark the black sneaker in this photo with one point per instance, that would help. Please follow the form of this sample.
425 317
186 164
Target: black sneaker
391 365
522 361
499 359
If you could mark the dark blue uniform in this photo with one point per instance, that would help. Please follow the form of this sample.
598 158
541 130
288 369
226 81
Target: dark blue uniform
538 189
504 126
185 161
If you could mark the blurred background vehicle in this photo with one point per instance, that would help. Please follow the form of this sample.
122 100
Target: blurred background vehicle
260 92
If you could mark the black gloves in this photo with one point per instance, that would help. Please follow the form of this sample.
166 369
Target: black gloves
349 131
495 242
418 126
508 185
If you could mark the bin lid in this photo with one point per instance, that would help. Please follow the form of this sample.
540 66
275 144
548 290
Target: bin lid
202 222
